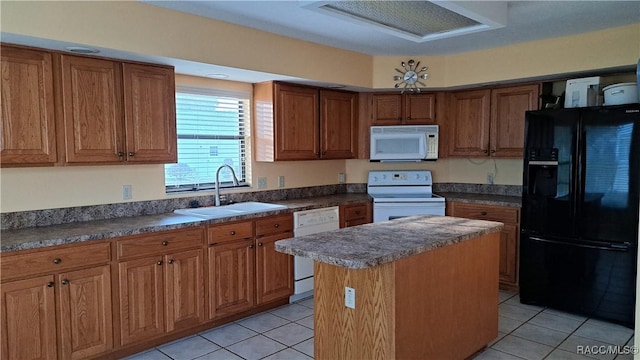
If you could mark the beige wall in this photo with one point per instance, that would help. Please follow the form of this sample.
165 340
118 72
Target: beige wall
142 28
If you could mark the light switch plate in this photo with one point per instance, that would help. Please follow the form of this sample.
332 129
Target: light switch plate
350 297
262 183
127 192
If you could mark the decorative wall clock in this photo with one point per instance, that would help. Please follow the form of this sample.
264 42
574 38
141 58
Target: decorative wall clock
412 73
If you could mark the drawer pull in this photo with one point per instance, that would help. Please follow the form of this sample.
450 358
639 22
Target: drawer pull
165 243
64 282
483 213
171 261
276 226
57 261
260 244
131 154
159 263
251 246
233 232
50 284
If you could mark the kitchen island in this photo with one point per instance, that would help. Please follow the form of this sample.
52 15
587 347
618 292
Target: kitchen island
422 287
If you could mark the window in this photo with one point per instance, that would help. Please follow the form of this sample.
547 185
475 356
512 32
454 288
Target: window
212 129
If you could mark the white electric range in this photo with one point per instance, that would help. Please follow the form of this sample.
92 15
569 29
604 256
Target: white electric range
403 193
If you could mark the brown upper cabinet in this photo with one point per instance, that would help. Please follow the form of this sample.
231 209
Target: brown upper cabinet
403 109
64 109
490 122
114 112
296 122
28 114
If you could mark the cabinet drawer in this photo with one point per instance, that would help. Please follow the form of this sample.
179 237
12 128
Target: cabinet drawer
355 212
229 232
159 243
274 224
55 260
502 214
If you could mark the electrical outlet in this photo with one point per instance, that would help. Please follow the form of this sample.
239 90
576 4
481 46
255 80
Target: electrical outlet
262 183
489 178
341 178
280 181
127 192
350 297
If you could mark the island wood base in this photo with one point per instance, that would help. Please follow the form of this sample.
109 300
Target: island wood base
440 304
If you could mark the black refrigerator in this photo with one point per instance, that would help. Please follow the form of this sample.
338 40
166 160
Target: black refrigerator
579 219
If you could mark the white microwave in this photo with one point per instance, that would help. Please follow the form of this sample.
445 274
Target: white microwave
404 143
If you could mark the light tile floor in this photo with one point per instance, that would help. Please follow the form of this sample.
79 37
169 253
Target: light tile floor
524 332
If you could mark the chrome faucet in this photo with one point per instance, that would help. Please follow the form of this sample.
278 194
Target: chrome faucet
235 181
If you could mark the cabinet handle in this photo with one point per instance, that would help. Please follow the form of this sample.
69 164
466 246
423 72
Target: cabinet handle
251 246
131 154
260 244
159 263
171 261
483 213
57 261
64 282
276 225
493 151
120 154
50 284
233 232
485 151
408 118
165 243
399 119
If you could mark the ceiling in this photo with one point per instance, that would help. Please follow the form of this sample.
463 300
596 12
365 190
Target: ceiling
517 21
524 21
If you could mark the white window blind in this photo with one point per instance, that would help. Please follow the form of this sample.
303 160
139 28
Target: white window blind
212 131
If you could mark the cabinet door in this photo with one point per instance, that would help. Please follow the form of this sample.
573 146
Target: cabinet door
469 123
86 326
28 319
296 123
508 106
387 109
141 299
274 270
27 115
184 282
509 254
420 109
91 95
231 278
150 114
338 124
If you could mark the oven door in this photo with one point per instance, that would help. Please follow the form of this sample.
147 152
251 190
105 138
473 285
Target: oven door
389 211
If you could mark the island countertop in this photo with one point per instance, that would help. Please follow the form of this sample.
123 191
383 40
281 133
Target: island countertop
370 245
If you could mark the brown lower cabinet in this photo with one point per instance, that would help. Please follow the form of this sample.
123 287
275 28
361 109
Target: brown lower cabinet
57 303
244 268
509 237
111 298
161 283
356 214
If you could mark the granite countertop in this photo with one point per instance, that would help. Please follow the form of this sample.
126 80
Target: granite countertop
487 199
38 237
374 244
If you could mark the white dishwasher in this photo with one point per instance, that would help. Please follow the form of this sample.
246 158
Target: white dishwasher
309 222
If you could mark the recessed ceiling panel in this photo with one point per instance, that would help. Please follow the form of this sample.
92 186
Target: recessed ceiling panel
413 20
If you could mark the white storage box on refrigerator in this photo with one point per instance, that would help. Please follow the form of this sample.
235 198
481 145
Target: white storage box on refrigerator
576 91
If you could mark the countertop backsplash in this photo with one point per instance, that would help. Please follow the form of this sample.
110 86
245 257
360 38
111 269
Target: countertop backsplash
47 217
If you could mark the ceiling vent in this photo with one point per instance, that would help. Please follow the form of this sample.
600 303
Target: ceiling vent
418 21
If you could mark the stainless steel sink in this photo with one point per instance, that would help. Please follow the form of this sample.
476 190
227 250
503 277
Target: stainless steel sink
215 212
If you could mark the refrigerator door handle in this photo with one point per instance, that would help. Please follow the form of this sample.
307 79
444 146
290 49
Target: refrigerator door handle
612 247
